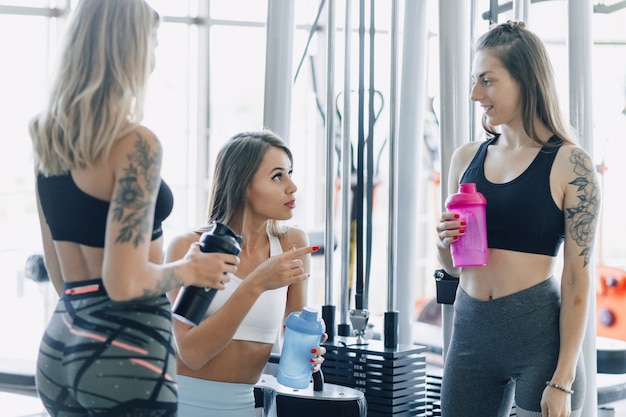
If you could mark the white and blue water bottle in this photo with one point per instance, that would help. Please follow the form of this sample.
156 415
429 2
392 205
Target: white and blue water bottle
303 332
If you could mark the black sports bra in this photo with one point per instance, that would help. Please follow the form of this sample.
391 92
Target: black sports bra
521 214
76 216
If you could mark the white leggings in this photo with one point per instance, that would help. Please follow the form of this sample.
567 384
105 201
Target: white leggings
199 397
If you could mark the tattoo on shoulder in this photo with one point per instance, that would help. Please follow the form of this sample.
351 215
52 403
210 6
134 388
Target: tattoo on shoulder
133 203
583 216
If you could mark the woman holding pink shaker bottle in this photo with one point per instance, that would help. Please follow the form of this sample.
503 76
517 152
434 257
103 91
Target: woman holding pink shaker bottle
471 248
518 329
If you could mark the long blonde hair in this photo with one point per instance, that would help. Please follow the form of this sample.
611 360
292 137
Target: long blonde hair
99 89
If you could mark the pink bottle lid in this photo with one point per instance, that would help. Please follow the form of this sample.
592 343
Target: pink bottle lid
467 187
467 195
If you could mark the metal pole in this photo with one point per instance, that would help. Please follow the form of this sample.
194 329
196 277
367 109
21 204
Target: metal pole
359 314
391 315
476 129
369 154
346 175
330 166
580 46
358 200
454 70
278 67
203 156
521 8
409 151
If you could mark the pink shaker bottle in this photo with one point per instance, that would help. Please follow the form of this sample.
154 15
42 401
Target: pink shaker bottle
471 248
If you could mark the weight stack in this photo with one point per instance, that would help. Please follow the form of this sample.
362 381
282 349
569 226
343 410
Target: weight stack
392 379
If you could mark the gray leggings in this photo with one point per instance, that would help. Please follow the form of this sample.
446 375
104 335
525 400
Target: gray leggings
502 352
103 358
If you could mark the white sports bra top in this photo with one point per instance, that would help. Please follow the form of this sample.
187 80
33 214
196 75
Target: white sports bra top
265 318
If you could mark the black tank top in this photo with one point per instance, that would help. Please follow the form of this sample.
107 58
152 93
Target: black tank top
521 214
76 216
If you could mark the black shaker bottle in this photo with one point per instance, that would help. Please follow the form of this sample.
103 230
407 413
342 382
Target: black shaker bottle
192 302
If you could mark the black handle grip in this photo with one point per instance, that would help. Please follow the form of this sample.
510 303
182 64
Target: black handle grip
318 381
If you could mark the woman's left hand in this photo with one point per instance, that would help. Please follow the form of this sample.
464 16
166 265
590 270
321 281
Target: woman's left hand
555 403
319 351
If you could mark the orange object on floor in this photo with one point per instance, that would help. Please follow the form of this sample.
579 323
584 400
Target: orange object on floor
611 302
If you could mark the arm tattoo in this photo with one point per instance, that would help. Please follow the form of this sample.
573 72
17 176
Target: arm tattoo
583 216
169 281
133 204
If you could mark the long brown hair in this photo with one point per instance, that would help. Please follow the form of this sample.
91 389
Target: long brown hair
237 162
525 57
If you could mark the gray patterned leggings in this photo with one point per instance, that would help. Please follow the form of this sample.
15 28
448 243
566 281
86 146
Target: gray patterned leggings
502 352
104 358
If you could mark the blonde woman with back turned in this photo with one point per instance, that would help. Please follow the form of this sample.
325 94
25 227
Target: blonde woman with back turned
108 349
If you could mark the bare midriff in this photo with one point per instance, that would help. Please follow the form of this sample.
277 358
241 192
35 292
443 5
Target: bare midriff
240 362
506 273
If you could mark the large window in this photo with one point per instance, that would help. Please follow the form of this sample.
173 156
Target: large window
172 112
23 83
209 84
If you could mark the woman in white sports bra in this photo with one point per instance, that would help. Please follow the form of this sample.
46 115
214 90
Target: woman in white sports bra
221 359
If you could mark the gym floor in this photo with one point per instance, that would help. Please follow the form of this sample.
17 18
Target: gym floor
14 405
26 404
619 409
17 405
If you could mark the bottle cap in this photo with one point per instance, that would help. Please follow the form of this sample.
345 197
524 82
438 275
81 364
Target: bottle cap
468 187
467 195
309 314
